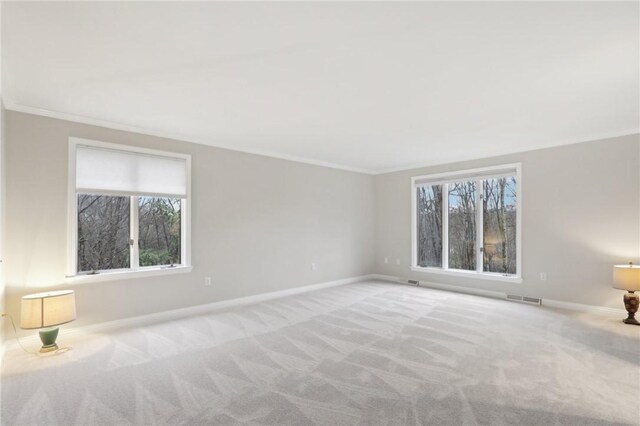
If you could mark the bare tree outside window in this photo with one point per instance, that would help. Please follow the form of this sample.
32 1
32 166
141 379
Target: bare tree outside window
462 225
499 227
481 224
103 232
429 221
159 231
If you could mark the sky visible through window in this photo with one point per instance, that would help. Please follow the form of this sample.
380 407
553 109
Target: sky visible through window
498 227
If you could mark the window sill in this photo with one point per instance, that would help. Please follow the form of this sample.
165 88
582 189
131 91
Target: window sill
469 274
126 275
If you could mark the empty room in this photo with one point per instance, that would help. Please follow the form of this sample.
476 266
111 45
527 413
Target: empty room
319 213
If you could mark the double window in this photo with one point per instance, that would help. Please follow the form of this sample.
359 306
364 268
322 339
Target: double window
468 222
128 209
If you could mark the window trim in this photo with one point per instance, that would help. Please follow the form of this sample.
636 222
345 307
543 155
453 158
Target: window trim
444 179
135 270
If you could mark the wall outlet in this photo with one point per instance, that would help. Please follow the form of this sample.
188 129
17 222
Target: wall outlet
397 261
314 266
207 281
543 276
386 260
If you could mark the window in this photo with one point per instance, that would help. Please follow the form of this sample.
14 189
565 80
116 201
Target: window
103 232
499 225
430 225
128 209
462 225
159 233
467 223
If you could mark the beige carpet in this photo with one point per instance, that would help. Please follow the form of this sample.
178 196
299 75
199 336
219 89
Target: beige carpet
368 353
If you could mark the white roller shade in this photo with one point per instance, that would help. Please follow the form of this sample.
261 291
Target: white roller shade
112 171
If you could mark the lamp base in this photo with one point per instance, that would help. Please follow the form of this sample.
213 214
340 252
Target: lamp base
48 337
631 302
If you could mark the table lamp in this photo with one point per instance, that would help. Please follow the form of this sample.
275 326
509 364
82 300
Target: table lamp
47 311
627 277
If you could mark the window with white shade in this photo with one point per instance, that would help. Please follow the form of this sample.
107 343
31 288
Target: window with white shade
128 209
467 223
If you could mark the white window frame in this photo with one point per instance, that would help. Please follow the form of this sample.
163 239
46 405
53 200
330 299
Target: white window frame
135 271
466 175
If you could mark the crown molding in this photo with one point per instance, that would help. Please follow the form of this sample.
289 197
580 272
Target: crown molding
585 139
12 106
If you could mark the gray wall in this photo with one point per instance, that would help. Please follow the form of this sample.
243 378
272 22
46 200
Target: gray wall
581 215
2 218
257 223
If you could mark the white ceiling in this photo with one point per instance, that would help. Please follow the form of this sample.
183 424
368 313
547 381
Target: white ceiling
367 86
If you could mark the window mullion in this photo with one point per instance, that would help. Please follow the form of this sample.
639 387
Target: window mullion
479 226
184 211
133 232
74 268
445 226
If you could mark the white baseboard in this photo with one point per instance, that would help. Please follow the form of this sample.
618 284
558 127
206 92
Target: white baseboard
466 290
447 287
551 303
214 306
584 308
263 297
384 277
185 312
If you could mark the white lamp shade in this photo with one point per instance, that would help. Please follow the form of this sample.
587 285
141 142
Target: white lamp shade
626 277
48 309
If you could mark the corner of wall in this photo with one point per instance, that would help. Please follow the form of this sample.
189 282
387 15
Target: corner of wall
2 216
2 204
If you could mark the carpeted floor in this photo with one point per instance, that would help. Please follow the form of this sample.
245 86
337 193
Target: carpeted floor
368 353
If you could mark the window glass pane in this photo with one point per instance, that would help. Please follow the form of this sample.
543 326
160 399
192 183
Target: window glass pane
499 217
159 233
103 232
462 225
429 218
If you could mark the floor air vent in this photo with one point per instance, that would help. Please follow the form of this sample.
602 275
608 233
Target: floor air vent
524 299
410 282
